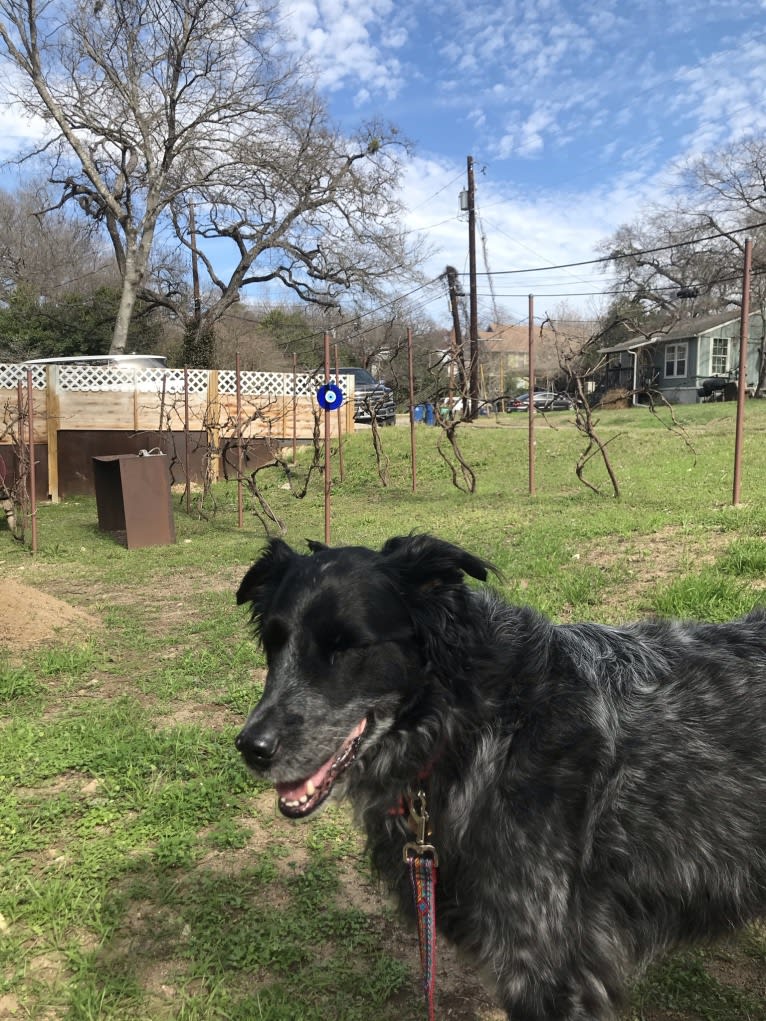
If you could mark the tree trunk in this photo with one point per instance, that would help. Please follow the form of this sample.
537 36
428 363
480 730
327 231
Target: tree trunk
199 345
131 281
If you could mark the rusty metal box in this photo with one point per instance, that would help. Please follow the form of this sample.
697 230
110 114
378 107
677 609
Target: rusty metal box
133 497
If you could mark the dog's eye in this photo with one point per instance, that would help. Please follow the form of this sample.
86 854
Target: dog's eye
335 644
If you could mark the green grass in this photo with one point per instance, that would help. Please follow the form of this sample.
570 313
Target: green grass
144 875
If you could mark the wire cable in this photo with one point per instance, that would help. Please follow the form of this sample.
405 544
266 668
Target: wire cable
613 257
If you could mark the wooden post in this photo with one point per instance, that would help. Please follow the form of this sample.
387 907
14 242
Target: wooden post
340 411
32 471
136 409
327 465
295 407
22 466
240 514
411 374
531 395
187 477
744 340
214 424
52 415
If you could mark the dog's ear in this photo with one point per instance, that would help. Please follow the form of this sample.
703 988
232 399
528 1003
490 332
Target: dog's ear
265 574
315 546
426 561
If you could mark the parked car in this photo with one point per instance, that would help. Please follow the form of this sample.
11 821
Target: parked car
545 400
370 396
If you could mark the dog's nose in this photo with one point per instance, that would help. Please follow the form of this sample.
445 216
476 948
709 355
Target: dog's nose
258 748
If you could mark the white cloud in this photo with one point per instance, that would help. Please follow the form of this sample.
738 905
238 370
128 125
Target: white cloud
548 75
18 131
349 43
522 230
722 98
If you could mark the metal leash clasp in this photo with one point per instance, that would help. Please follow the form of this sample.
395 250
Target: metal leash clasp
419 817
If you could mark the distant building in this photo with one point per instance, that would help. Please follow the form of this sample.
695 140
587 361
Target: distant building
504 357
678 361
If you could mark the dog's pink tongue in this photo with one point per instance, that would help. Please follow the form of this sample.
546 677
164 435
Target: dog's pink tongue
294 791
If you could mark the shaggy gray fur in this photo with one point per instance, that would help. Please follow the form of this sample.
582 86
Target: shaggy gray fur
597 793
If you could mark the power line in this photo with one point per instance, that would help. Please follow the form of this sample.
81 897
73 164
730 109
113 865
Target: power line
625 255
449 184
669 288
380 308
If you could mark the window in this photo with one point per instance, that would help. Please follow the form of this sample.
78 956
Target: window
675 360
719 362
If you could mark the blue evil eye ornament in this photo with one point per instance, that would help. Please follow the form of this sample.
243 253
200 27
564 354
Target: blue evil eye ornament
330 397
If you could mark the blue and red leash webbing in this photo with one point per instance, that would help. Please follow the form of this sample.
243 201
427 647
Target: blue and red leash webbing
423 873
422 863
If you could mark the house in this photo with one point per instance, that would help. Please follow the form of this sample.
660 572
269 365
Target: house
677 361
504 355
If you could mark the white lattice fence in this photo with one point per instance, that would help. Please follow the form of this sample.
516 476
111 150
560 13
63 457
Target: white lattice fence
10 375
277 384
104 399
274 383
106 378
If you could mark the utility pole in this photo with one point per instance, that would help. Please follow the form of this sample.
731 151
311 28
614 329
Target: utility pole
454 292
195 267
197 349
473 327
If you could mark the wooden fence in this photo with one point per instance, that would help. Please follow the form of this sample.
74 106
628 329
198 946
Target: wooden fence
222 405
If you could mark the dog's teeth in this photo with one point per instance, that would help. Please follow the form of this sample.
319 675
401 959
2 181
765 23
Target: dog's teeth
310 789
304 799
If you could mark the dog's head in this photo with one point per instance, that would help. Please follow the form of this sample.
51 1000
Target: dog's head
348 635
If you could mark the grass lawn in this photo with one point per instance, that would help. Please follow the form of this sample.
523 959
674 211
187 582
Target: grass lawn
144 875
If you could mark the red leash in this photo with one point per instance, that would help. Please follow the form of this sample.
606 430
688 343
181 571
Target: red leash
422 862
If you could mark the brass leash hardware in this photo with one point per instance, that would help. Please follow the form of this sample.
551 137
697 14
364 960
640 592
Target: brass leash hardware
419 821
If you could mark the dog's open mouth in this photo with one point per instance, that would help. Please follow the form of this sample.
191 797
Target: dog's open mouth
300 798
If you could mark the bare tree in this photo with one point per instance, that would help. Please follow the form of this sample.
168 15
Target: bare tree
669 265
48 255
59 285
686 259
581 363
161 112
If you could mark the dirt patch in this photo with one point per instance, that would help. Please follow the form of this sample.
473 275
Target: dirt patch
637 564
10 1006
730 966
29 616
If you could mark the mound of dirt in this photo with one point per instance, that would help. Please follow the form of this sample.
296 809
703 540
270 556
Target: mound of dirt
29 616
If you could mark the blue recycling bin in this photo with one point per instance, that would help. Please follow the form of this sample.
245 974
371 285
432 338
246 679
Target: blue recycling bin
425 413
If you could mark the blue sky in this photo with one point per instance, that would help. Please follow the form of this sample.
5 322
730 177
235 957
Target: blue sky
576 115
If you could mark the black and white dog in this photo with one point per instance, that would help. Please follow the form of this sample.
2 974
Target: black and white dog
596 793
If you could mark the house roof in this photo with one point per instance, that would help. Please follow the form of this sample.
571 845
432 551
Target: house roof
511 340
500 339
636 341
684 329
506 338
